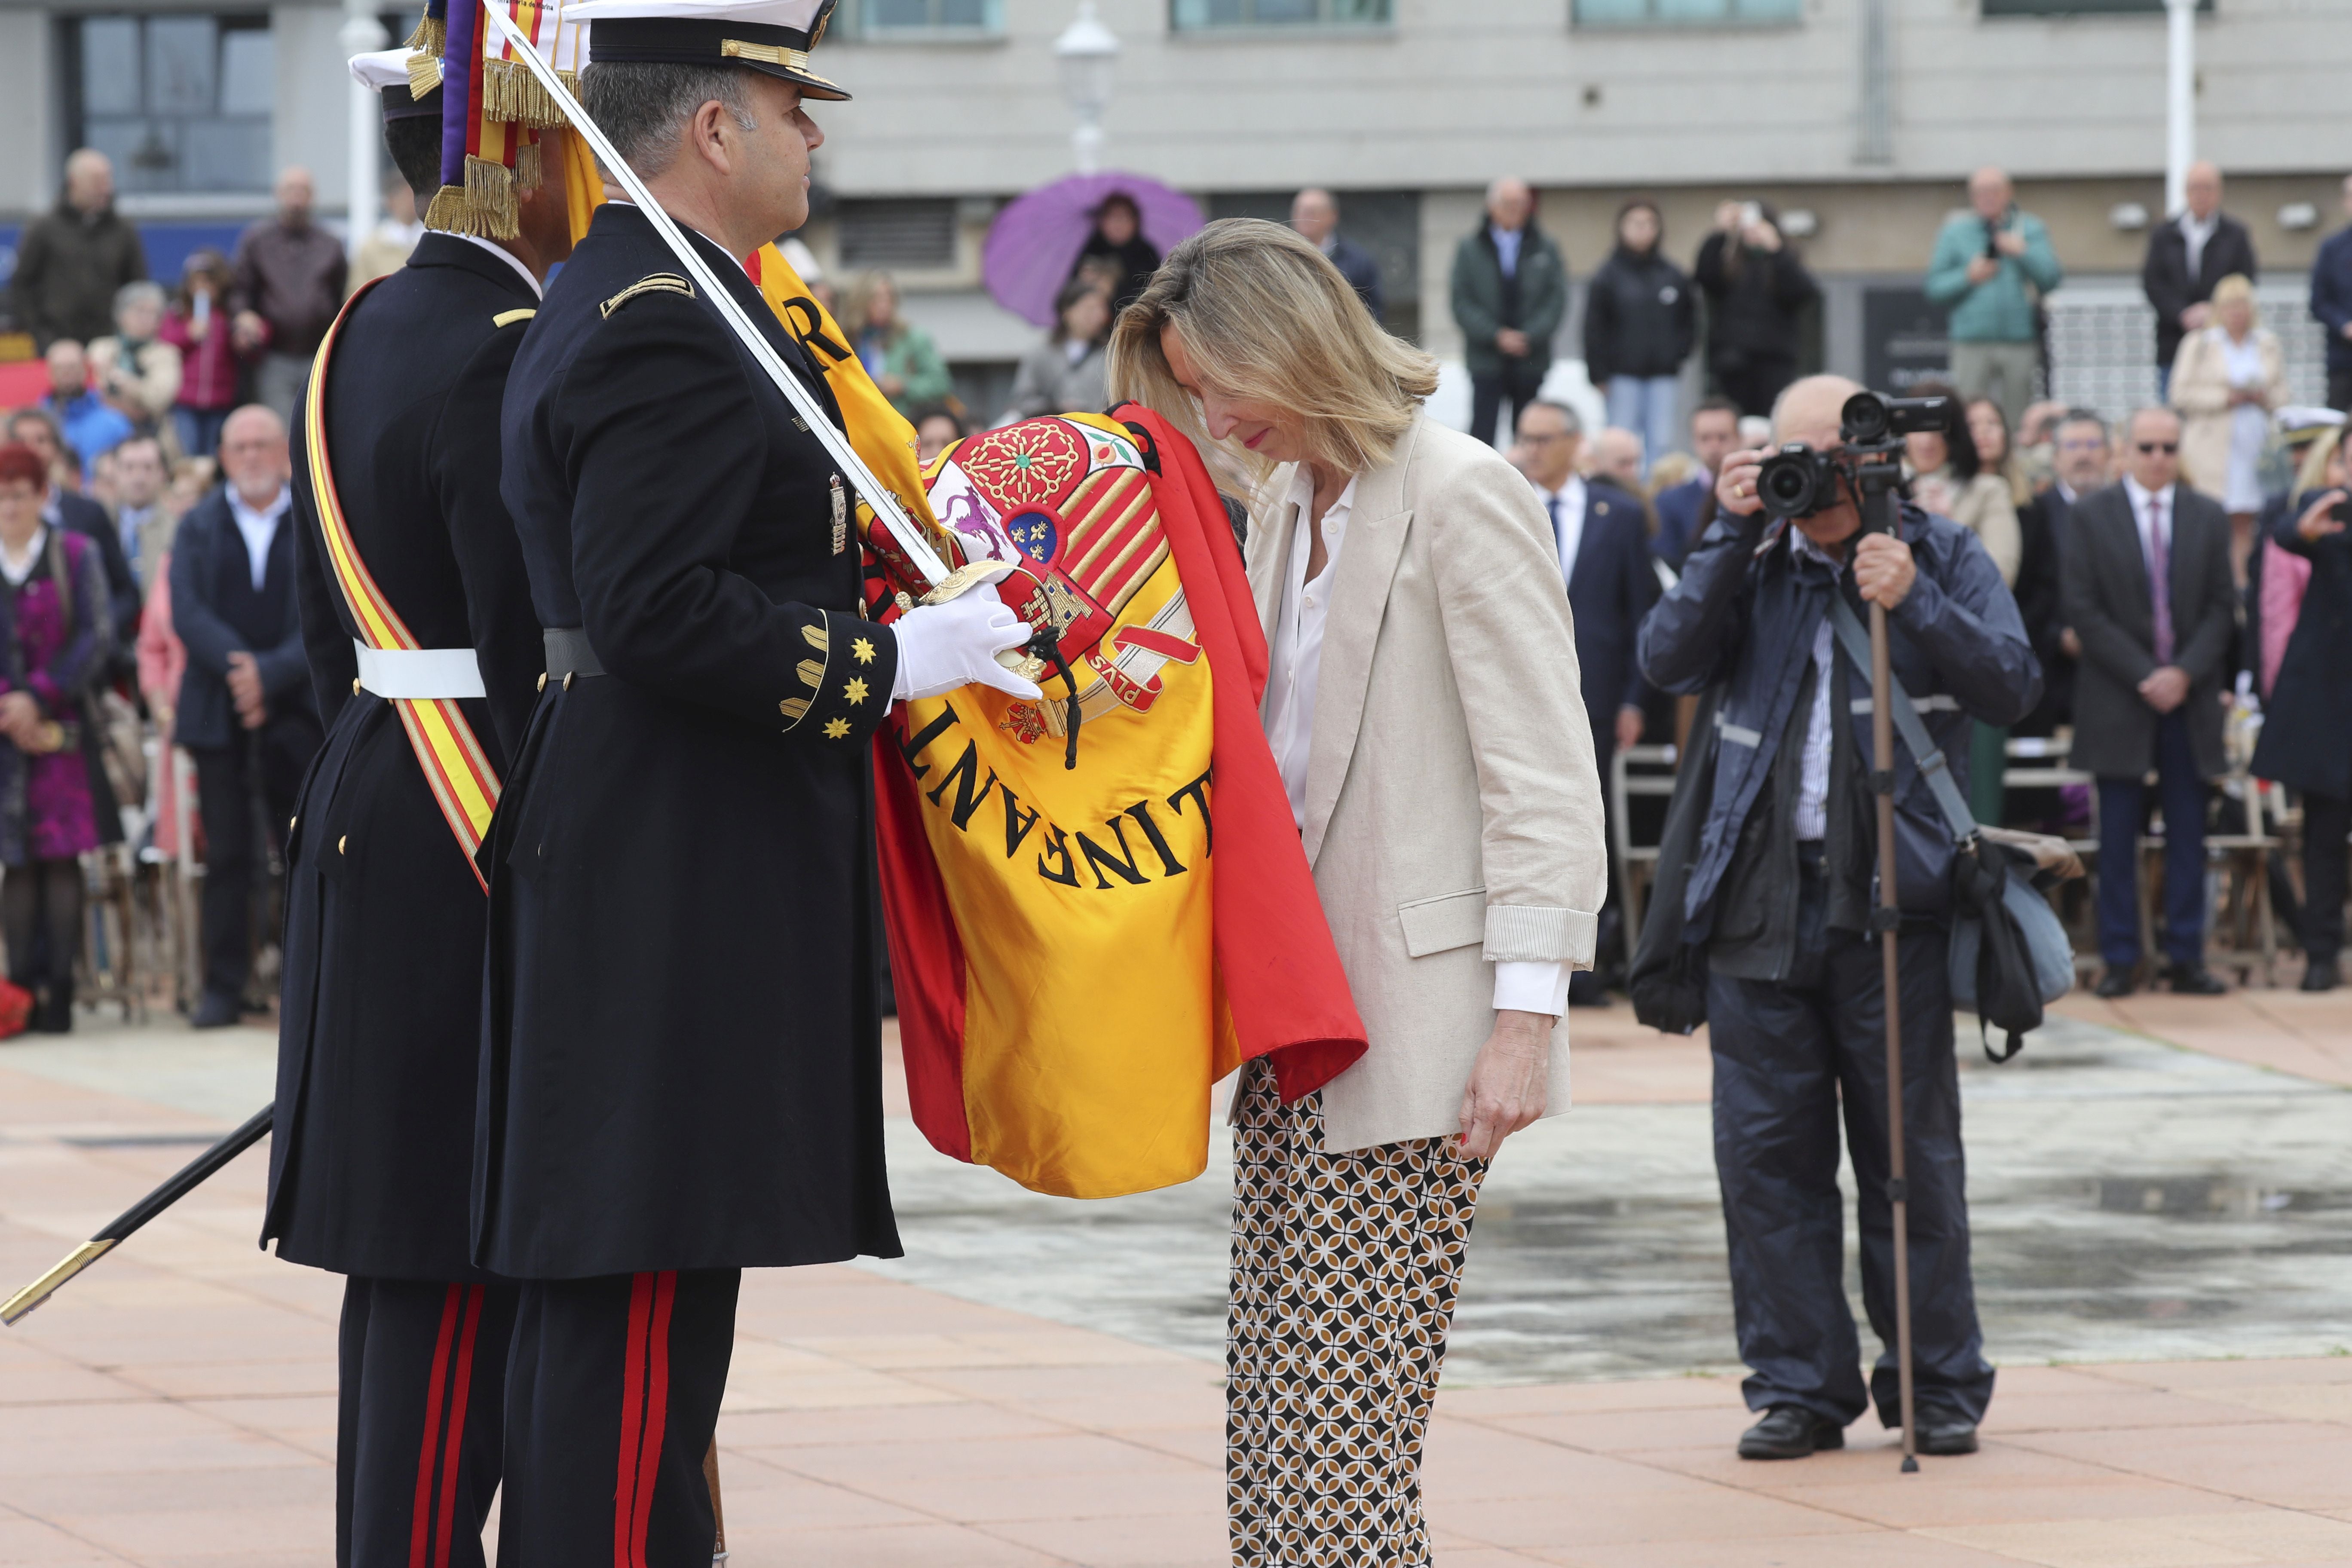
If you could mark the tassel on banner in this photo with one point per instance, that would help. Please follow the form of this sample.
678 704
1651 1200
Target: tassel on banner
511 94
424 74
491 195
529 166
447 212
431 37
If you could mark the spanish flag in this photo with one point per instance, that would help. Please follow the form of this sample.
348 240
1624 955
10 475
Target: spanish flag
1083 942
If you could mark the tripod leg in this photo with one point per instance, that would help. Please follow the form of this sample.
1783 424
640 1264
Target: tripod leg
1887 918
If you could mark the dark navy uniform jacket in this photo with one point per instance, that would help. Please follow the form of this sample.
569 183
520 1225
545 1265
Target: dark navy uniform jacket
380 1042
682 1068
1744 614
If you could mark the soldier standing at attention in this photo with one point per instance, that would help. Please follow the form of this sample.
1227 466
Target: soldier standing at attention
399 524
682 1076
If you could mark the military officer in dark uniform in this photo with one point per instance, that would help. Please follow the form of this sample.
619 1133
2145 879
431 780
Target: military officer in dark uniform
380 1048
682 1071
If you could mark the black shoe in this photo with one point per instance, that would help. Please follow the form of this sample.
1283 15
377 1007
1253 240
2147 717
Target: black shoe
2116 983
1946 1435
2195 980
55 1015
1790 1432
2321 974
1585 990
215 1012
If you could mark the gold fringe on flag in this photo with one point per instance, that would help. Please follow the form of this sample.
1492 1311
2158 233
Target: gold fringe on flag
431 37
510 93
529 166
490 193
424 74
449 213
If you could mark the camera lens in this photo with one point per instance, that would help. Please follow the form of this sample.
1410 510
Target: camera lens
1865 416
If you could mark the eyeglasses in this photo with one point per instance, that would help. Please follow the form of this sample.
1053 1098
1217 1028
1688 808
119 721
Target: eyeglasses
2150 448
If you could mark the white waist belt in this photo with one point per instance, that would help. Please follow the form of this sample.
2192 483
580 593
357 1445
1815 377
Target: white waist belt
421 673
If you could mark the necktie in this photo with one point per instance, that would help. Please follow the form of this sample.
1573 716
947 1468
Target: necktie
2159 574
1558 544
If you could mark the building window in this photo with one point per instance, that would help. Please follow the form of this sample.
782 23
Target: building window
1686 13
915 236
2080 8
1194 15
179 102
888 18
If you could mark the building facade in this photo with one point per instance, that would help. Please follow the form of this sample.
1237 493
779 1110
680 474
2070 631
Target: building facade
1862 118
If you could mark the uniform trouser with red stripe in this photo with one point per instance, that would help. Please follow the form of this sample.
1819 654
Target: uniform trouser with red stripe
612 1399
421 1422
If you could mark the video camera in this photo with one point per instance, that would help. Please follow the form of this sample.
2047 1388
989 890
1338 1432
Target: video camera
1798 482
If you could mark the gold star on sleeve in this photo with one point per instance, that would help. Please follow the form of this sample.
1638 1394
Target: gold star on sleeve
864 651
854 692
834 729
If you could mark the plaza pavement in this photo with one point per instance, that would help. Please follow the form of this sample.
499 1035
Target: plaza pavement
175 1407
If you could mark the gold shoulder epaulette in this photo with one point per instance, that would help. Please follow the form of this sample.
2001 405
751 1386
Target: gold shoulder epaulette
654 283
509 318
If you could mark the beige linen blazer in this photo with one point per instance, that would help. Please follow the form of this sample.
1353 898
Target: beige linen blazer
1453 809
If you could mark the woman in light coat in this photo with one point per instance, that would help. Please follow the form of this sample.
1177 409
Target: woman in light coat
1422 707
2227 378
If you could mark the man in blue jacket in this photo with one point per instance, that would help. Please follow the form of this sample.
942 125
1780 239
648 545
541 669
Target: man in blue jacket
2331 305
246 712
1780 890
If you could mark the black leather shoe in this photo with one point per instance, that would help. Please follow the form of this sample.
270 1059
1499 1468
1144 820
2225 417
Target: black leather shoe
1946 1435
215 1012
2195 980
2321 975
1789 1432
2116 983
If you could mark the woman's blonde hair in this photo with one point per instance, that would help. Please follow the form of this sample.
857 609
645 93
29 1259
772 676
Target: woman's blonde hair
2235 286
861 298
2312 475
1265 317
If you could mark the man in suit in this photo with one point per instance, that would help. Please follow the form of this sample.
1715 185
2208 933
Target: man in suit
2187 255
1509 293
2083 460
245 712
1714 433
380 1040
63 508
1605 555
2147 688
1316 215
682 1075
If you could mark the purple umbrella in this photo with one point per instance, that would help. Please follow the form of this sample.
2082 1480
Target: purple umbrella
1034 242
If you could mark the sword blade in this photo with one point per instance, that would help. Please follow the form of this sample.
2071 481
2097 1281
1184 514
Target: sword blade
887 511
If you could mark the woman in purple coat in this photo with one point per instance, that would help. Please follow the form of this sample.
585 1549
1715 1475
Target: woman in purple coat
54 800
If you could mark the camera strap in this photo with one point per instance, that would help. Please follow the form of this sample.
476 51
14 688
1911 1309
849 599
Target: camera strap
1928 755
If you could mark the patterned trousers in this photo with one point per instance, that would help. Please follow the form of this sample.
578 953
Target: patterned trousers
1345 1270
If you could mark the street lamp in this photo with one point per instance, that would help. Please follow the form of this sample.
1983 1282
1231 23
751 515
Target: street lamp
1087 51
362 33
2180 101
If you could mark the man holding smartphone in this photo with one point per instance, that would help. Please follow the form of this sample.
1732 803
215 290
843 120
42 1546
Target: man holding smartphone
1991 268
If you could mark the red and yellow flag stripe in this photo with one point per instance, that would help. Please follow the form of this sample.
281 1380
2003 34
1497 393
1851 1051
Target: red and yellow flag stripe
457 770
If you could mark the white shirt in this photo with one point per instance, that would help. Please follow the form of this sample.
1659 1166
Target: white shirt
2194 232
2140 496
1294 664
17 569
1566 508
1813 781
259 528
508 257
1506 247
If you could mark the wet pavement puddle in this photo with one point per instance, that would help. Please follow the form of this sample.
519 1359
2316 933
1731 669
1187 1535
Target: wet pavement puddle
2130 1201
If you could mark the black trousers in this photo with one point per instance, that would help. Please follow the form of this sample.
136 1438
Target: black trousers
1515 384
612 1399
2339 390
40 911
2325 821
420 1421
1754 381
271 761
1788 1056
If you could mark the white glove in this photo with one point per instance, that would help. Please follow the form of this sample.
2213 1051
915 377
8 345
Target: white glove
942 646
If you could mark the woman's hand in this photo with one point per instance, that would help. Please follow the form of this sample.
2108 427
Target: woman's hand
20 719
1508 1084
2319 519
1735 487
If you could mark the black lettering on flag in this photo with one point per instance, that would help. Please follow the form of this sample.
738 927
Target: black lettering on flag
912 749
1017 822
1197 792
1060 848
966 769
1123 862
1168 864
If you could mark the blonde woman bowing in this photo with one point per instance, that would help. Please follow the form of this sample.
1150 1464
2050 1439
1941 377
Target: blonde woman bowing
1423 706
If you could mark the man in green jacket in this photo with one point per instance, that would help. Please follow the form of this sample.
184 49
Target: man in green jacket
1510 292
70 261
1993 265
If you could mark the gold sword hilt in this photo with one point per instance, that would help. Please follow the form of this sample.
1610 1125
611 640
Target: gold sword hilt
17 1306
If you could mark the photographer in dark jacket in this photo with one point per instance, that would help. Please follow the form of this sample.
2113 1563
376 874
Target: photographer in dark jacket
1779 891
1756 290
1639 324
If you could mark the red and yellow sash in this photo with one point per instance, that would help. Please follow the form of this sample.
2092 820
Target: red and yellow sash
456 768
